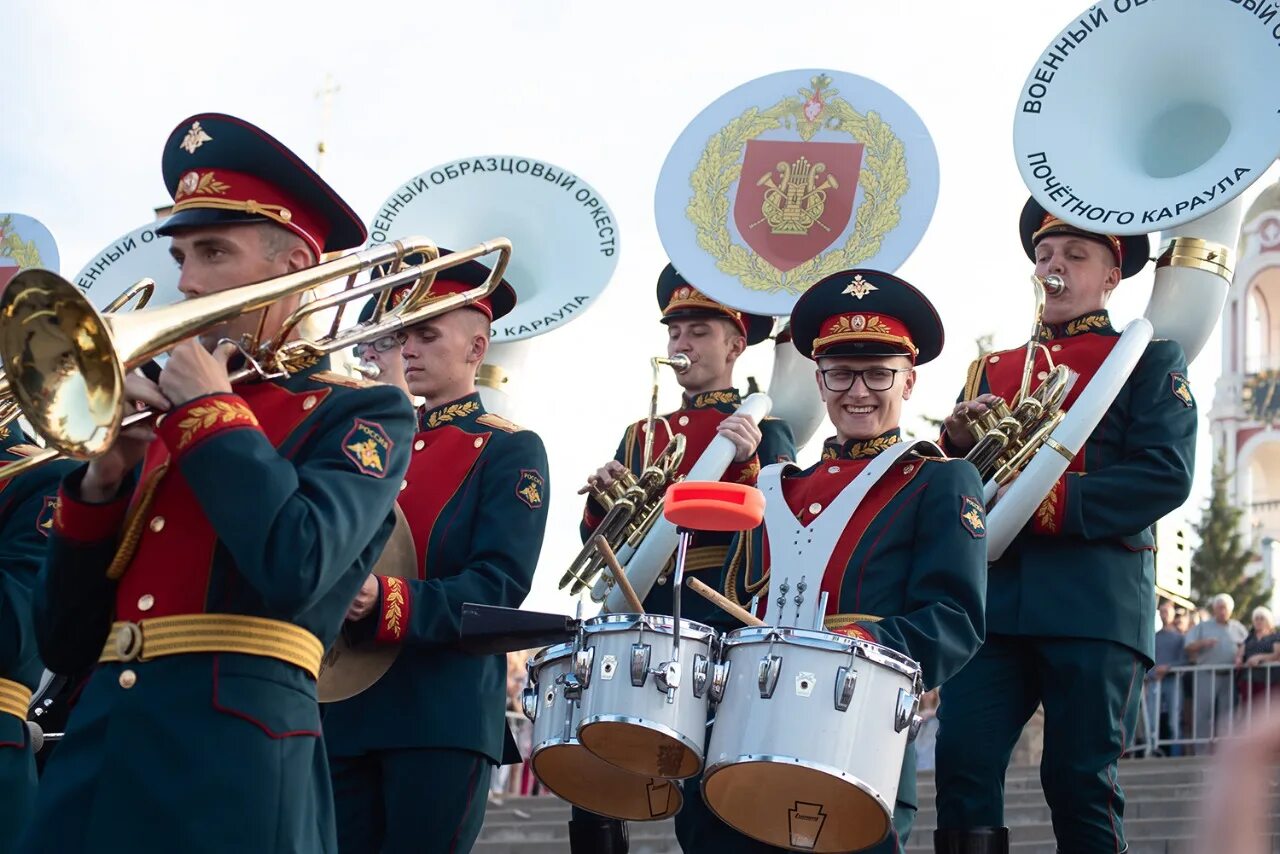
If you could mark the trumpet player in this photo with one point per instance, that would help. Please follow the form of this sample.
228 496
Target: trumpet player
413 754
205 561
1071 603
26 515
711 336
908 571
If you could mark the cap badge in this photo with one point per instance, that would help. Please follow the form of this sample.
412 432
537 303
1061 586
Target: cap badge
859 287
858 323
195 138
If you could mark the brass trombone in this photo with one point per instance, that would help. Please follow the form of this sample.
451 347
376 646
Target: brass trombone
1007 438
67 361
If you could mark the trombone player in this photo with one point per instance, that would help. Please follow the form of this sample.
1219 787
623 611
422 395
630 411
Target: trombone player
206 561
1071 603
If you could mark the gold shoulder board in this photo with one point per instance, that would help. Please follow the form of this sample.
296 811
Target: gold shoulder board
499 423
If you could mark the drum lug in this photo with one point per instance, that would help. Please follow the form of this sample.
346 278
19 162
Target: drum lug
846 681
667 679
914 729
640 653
572 687
719 680
529 701
907 702
582 661
700 668
770 669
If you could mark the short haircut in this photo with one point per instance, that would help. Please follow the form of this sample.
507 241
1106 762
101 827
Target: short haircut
277 239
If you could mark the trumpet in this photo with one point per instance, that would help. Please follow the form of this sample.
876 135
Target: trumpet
632 503
67 361
141 290
1008 437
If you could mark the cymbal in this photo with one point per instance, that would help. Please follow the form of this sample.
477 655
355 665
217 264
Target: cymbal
349 668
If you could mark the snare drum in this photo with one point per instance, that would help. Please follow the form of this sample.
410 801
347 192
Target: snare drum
570 770
631 716
809 737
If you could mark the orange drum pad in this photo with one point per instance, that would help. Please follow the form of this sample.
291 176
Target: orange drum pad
792 806
584 779
713 506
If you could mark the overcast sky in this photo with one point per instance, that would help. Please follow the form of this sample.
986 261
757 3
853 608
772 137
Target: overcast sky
92 90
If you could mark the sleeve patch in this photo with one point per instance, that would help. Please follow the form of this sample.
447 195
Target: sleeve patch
530 488
369 447
1181 389
44 521
973 517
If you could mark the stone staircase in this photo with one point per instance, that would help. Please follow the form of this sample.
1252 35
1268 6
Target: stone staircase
1162 806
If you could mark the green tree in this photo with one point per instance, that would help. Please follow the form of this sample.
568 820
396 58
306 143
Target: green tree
1218 564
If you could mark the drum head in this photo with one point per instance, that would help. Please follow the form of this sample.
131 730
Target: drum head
648 749
585 780
795 806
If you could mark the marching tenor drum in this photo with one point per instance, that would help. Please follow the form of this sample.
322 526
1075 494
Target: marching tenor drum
809 737
643 708
568 769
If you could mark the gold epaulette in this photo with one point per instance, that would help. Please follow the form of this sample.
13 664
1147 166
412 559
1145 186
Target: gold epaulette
498 423
973 381
335 378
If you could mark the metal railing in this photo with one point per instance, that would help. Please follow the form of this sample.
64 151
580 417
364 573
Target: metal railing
1193 706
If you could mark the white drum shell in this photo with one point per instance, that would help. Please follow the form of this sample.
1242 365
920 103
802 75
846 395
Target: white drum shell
637 728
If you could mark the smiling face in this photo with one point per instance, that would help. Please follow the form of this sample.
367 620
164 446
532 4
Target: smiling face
712 344
1088 268
861 413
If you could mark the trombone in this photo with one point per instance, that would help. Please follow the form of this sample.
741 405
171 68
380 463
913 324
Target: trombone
67 361
141 290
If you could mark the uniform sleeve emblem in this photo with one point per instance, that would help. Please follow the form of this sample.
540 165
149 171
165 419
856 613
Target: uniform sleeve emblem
369 447
44 521
1182 389
530 488
973 517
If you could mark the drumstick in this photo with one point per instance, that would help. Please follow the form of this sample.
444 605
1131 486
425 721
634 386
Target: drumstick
602 546
735 611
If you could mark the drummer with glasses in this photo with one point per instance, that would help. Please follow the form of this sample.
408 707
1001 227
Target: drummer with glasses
380 358
909 570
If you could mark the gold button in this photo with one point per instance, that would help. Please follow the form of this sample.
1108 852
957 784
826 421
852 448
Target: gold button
128 678
1043 375
309 402
479 441
146 602
157 523
683 421
403 484
815 507
1056 347
994 359
419 445
833 469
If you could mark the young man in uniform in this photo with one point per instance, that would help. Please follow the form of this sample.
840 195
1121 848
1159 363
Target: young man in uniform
909 570
206 560
413 754
713 337
1071 603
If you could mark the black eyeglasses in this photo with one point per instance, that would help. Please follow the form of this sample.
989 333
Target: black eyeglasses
876 379
381 345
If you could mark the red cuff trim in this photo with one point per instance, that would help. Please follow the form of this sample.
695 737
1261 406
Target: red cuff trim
197 420
745 472
1049 515
88 523
393 616
853 630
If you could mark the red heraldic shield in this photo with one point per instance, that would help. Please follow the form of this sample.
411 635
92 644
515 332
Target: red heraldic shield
795 198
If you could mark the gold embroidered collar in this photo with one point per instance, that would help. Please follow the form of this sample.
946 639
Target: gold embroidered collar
708 399
450 413
1094 321
859 449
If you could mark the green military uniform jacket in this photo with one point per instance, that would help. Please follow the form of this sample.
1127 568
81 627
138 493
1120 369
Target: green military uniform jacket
697 420
913 555
1084 565
26 515
271 502
476 499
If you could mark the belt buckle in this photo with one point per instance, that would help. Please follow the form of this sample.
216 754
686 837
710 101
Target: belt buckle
129 641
